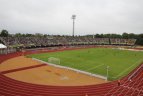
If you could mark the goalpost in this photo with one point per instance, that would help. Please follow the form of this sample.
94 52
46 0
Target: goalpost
54 60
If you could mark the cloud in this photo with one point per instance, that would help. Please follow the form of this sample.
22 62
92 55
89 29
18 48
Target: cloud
54 16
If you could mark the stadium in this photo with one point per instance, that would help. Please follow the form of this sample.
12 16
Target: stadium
70 66
71 48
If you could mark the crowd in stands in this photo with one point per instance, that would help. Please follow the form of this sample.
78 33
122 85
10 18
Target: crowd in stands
62 40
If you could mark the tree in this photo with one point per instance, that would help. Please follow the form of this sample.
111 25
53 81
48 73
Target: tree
38 34
99 35
18 35
140 39
132 35
4 33
28 35
125 35
140 36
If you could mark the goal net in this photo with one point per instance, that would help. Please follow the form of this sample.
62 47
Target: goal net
54 60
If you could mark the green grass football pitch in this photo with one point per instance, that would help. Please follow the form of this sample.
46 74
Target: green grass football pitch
95 60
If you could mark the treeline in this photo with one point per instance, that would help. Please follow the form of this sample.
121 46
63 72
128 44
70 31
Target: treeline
139 37
125 35
5 33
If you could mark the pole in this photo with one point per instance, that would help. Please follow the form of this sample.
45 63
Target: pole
107 73
93 36
73 17
73 27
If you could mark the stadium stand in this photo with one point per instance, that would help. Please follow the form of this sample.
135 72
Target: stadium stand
131 85
18 43
62 40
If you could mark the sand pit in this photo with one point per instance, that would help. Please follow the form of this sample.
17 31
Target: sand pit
46 75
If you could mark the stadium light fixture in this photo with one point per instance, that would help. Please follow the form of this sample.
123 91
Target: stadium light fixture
73 17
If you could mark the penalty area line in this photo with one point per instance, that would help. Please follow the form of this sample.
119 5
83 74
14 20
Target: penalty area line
95 67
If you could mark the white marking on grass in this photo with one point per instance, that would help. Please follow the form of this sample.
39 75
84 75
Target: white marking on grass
94 67
84 60
128 68
73 69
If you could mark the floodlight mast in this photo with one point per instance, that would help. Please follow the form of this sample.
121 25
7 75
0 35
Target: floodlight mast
73 17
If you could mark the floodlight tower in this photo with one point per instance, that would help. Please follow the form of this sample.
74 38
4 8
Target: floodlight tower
73 17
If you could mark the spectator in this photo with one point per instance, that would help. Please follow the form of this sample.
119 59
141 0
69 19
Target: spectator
119 82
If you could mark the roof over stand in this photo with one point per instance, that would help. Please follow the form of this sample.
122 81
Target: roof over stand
2 46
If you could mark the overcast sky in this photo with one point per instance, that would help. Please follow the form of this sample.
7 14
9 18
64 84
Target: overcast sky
54 16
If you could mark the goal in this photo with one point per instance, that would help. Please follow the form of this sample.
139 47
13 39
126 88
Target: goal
54 60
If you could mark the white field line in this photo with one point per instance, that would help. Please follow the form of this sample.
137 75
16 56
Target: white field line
95 67
76 70
127 68
83 59
99 64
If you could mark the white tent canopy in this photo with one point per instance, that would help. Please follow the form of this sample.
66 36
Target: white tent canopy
2 46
